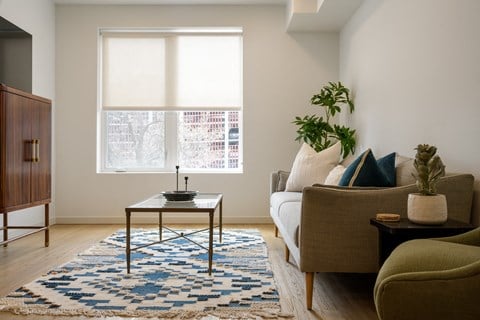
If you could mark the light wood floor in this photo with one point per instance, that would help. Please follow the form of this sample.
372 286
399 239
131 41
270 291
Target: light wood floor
336 296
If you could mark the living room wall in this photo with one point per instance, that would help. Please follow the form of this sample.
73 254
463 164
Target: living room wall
281 72
413 68
36 17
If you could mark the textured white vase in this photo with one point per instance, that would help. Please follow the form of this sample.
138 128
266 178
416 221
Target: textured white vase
427 209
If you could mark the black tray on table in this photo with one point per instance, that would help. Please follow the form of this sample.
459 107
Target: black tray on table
179 195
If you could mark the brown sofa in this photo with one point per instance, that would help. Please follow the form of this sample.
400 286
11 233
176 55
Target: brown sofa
326 228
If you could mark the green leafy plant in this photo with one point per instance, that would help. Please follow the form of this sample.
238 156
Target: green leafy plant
317 130
429 169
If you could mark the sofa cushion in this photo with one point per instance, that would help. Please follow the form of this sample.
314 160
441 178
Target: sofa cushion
311 167
287 207
280 198
365 171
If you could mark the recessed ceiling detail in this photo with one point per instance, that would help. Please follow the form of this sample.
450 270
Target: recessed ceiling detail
320 15
302 15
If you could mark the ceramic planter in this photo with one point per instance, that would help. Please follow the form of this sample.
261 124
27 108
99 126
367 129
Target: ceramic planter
424 209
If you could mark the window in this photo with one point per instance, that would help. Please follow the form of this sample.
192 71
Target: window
170 97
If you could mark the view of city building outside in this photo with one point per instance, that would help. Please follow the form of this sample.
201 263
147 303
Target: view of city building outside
205 140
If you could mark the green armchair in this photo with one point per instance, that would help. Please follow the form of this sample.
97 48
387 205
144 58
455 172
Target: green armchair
431 279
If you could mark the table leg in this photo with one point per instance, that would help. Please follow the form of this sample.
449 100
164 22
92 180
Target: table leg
210 243
220 221
386 244
160 224
47 223
380 250
127 239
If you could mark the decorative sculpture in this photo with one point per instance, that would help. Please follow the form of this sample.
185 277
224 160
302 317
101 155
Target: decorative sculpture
179 195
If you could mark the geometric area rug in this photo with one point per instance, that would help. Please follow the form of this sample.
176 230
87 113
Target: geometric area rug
167 281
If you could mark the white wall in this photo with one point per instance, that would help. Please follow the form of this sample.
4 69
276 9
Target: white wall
413 67
37 17
281 72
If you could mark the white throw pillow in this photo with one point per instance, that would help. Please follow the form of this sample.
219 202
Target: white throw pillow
335 175
312 167
404 169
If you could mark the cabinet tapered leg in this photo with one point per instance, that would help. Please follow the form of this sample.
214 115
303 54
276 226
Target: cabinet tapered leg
5 226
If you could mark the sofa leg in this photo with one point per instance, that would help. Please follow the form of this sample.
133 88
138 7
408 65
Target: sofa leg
287 253
309 288
276 231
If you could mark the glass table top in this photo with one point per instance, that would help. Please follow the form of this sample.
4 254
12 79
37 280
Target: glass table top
201 201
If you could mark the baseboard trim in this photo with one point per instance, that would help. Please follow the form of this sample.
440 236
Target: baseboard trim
184 219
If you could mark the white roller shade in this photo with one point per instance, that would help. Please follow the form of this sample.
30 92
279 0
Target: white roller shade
165 71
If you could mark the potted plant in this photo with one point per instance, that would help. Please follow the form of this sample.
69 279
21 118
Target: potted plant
317 131
427 207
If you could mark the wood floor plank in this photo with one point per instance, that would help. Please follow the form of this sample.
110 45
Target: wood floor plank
335 296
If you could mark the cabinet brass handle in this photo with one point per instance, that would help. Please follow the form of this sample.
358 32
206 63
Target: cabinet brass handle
33 150
37 150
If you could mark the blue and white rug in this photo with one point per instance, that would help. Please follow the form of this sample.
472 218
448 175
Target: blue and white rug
168 280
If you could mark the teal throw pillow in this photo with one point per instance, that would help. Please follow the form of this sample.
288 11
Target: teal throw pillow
387 165
365 171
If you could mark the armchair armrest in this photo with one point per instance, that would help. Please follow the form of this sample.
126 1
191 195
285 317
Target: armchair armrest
428 295
425 274
471 238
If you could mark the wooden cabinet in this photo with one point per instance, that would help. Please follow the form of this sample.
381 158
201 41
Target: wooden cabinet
25 156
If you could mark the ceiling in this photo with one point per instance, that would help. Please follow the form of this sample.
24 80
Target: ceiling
181 2
302 15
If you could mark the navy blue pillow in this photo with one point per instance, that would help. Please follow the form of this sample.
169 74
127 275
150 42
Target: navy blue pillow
365 171
387 165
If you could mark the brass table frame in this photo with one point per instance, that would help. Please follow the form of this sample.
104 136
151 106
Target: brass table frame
204 202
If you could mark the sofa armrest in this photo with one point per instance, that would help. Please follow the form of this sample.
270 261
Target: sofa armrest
335 224
335 221
273 181
278 180
458 188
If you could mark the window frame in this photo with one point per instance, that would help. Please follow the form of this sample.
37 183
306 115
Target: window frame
171 126
171 118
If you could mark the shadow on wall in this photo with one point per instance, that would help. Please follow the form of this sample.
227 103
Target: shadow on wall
476 204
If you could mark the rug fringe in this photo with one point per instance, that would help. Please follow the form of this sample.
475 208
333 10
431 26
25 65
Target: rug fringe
255 314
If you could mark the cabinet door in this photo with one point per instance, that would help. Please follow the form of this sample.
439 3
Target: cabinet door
41 169
17 150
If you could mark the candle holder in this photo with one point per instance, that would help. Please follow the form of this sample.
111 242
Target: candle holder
179 195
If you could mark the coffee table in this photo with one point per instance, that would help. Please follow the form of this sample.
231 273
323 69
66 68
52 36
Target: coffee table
202 203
